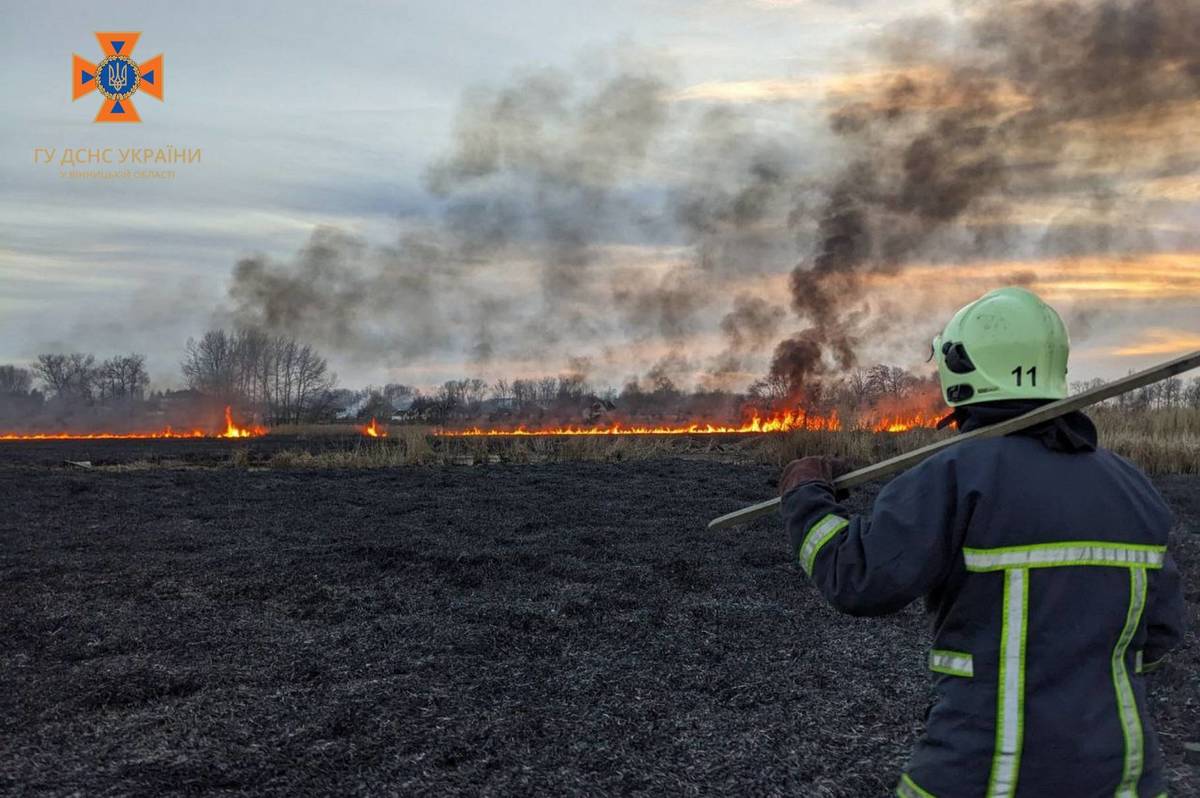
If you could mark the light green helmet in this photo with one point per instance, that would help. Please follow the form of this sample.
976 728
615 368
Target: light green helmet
1008 344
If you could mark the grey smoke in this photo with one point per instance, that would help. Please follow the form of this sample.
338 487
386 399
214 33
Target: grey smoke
557 170
547 178
1051 98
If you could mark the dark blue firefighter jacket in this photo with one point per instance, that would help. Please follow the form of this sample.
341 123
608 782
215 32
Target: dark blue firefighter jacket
1045 569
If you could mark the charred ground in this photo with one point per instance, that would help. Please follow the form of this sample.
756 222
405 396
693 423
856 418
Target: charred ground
555 628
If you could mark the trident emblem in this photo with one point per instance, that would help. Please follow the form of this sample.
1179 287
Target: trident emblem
118 75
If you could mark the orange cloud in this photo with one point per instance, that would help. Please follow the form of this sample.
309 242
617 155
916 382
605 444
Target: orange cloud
1179 188
1161 341
1152 276
755 91
845 86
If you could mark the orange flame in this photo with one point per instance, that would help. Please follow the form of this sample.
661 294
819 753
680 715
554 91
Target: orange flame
779 422
374 430
784 421
234 431
917 420
167 432
231 430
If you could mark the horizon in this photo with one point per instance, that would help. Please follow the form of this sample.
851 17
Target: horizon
668 171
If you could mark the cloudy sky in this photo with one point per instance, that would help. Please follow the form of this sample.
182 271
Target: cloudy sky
433 190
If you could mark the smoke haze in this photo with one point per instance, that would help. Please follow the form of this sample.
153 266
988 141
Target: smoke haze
589 212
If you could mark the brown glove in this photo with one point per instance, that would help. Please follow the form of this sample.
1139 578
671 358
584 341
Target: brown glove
811 469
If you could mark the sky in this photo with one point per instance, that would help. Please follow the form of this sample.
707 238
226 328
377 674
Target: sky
339 139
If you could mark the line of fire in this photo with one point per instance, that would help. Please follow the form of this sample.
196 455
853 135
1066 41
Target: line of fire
230 429
471 408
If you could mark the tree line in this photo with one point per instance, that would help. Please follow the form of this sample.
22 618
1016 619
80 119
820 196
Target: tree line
281 380
288 381
276 378
656 397
1172 392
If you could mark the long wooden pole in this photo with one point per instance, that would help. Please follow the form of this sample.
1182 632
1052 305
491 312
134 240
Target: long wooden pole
1036 416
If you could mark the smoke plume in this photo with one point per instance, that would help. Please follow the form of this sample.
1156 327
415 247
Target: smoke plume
1031 99
582 212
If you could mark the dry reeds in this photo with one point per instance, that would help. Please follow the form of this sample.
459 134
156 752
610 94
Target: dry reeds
1160 441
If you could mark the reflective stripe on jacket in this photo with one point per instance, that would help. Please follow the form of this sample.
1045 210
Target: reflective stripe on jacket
1048 580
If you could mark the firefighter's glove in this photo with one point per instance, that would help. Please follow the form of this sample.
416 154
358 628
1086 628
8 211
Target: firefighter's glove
808 470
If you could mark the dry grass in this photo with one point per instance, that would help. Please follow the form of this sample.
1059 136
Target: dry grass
857 446
1158 455
1165 441
316 430
1160 441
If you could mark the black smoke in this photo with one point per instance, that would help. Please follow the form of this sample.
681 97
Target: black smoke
554 186
1029 100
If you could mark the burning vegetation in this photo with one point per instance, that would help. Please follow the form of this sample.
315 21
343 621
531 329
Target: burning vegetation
71 406
879 399
609 219
374 430
786 421
615 215
230 430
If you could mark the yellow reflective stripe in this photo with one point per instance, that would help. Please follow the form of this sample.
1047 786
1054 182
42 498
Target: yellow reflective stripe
952 663
1131 722
1137 661
1151 667
907 788
820 534
1070 552
1010 690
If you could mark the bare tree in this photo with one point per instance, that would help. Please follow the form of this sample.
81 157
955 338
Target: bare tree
1191 394
123 377
524 393
884 380
547 389
395 392
474 391
15 381
298 379
68 377
210 365
858 386
571 387
287 380
1171 392
771 390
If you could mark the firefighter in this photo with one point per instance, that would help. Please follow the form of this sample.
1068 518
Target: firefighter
1043 562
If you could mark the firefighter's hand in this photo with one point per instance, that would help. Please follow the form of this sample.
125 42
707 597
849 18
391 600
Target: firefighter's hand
807 470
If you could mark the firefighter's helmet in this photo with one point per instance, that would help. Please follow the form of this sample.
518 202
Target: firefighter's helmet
1008 344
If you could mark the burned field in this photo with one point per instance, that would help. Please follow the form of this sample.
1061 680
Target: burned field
556 628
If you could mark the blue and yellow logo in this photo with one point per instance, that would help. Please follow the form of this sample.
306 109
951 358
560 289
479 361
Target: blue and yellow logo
118 77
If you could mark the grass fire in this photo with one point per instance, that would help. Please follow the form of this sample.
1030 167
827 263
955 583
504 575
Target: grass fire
787 421
791 397
229 430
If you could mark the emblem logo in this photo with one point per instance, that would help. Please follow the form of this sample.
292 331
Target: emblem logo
118 77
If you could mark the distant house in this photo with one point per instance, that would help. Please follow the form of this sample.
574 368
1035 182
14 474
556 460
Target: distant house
498 404
378 405
348 411
184 397
404 410
597 410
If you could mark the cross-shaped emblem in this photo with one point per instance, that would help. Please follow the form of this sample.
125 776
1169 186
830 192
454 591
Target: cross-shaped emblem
118 77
